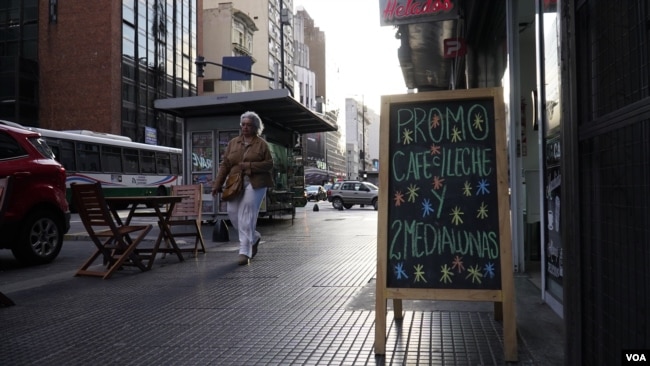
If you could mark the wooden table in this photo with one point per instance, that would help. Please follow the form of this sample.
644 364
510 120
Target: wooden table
159 207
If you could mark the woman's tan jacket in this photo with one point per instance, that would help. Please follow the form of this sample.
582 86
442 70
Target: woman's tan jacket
256 156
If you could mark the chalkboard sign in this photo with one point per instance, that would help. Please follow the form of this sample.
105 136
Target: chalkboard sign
443 228
443 217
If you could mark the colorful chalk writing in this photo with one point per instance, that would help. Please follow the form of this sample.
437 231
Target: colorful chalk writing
443 222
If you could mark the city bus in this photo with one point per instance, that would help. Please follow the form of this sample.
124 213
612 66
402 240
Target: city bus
123 167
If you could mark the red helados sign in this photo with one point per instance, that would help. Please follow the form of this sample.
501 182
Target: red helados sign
393 12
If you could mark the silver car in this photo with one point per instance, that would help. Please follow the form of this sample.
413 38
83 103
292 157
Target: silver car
349 193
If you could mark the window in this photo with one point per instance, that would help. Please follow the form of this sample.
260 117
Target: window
53 11
349 187
63 152
9 148
176 165
41 145
88 157
208 85
111 159
147 162
163 164
131 161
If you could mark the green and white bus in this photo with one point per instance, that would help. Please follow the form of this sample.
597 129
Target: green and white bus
123 167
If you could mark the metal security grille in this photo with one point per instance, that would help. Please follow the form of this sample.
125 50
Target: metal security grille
613 43
614 177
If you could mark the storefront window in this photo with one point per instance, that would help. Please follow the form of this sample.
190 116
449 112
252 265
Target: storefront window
552 149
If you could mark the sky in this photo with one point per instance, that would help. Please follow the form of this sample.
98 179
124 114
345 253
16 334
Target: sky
361 55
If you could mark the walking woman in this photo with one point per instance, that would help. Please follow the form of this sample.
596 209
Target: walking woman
250 154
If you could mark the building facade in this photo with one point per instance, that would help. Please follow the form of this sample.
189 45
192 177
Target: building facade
231 34
324 161
271 50
357 121
98 66
310 53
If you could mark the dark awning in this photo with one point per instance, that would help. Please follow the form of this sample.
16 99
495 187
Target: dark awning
273 106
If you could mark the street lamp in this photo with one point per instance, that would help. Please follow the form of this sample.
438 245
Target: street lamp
327 165
284 20
362 151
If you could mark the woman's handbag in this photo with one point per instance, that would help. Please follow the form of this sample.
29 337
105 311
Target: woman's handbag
232 187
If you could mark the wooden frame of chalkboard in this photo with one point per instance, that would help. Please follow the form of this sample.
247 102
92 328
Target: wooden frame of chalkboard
444 214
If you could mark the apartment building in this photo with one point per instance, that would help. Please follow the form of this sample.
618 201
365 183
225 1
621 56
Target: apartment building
97 65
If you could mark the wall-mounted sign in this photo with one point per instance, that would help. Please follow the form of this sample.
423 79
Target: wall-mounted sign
394 12
150 136
236 68
454 47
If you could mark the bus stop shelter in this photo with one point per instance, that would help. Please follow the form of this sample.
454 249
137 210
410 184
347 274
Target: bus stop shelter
210 121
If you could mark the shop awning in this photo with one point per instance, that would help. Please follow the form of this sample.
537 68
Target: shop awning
274 106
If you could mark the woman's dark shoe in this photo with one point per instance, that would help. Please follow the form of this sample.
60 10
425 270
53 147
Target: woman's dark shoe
243 260
257 242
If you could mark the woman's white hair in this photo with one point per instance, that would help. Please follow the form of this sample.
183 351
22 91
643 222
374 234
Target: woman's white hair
257 121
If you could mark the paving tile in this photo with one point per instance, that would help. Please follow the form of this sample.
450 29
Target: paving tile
306 299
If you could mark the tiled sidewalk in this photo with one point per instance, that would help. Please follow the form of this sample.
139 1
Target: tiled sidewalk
306 299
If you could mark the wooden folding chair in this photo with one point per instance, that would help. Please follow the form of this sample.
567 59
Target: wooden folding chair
187 214
5 185
113 242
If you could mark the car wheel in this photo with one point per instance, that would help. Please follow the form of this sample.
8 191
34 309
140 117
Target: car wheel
348 206
337 203
40 239
375 204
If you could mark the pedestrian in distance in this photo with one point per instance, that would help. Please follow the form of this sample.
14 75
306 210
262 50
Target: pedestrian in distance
249 154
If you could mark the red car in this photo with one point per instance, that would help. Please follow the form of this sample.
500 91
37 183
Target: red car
35 214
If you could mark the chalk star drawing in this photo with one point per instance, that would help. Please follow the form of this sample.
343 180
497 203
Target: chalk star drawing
435 121
427 208
482 211
478 122
482 187
446 274
458 264
419 273
435 150
456 214
437 182
398 198
488 270
467 189
399 271
413 192
407 136
456 135
475 274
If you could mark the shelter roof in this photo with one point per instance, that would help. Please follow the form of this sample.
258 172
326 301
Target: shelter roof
274 106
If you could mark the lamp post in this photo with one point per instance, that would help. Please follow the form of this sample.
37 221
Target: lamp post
327 165
363 131
362 152
284 20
